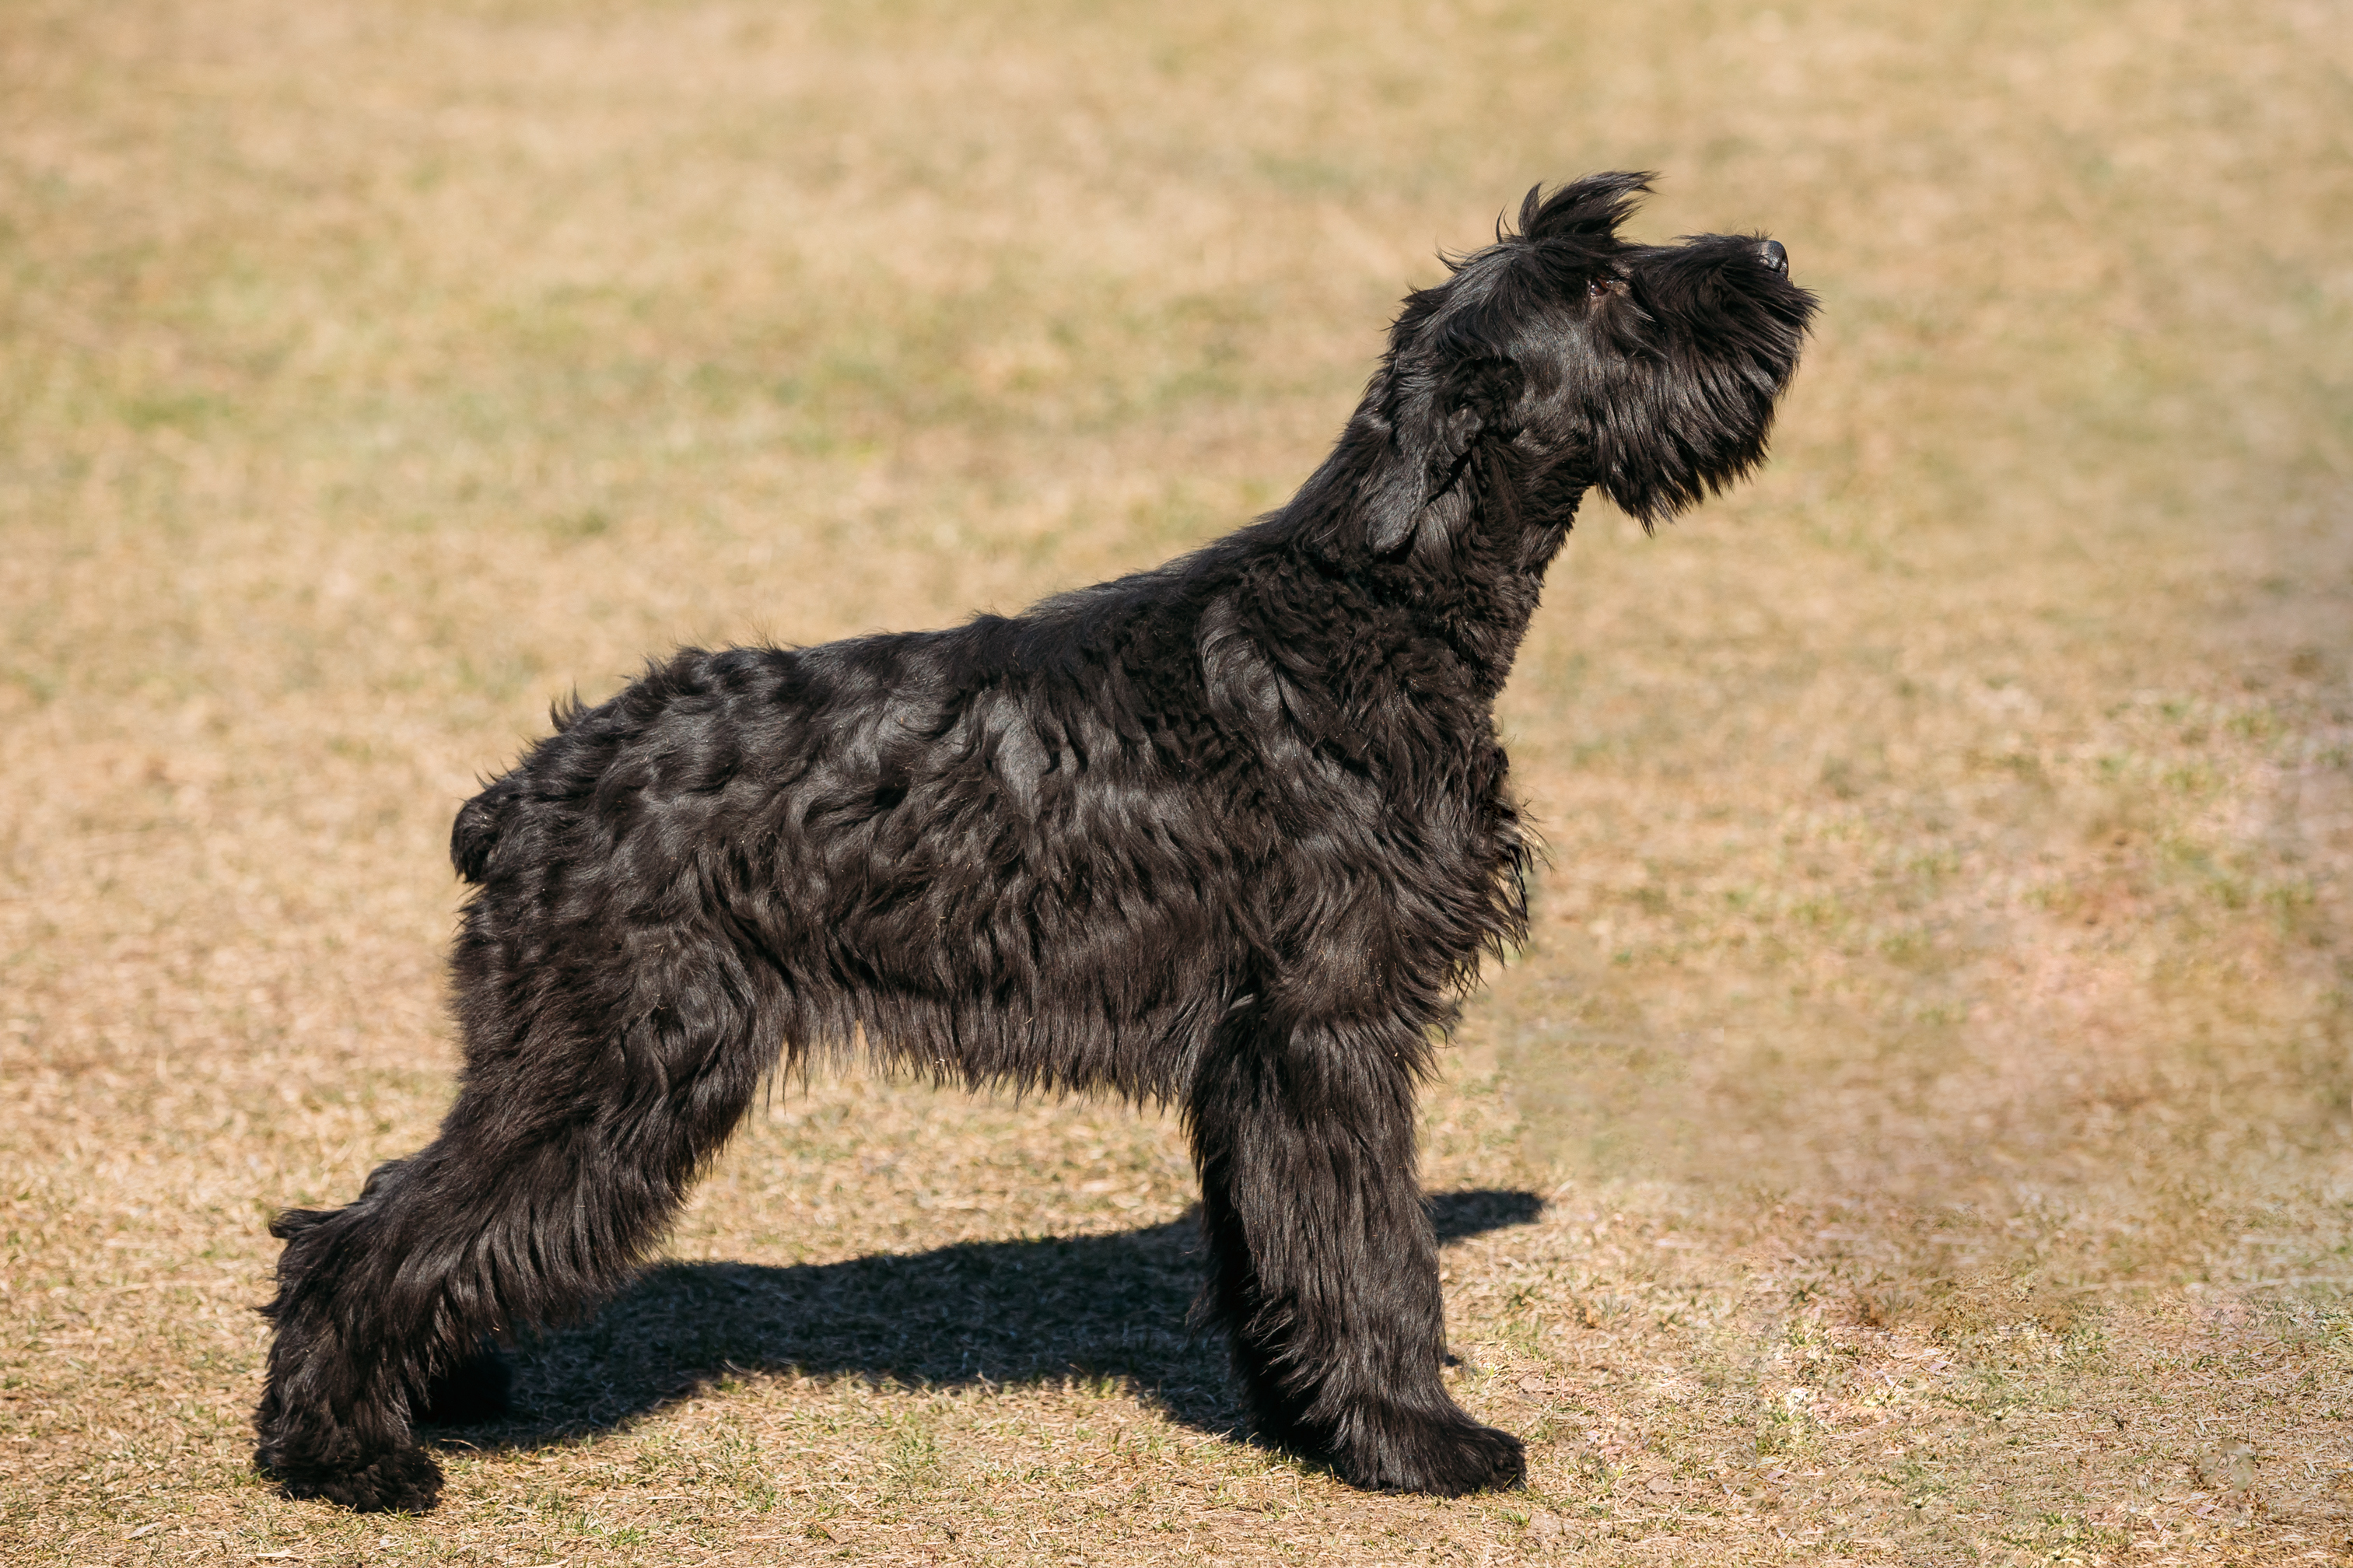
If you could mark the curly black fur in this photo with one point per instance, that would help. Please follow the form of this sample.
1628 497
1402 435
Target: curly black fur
1230 834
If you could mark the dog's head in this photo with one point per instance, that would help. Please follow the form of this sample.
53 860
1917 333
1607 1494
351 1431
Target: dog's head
1563 358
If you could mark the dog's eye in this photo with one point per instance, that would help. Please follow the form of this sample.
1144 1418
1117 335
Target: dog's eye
1603 286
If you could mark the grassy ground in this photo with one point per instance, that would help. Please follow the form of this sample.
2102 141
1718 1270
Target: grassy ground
1919 1132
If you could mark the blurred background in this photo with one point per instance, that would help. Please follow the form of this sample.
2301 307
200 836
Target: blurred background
1940 1007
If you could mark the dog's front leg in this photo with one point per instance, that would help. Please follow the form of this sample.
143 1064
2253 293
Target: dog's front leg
1323 1264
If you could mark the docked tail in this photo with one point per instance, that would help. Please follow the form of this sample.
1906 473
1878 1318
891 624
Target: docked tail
481 821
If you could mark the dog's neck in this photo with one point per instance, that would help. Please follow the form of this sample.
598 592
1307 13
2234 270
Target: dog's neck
1471 577
1476 588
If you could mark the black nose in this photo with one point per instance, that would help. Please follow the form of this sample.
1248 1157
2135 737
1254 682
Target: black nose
1775 256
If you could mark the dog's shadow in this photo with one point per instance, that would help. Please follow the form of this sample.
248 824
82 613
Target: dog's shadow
1094 1308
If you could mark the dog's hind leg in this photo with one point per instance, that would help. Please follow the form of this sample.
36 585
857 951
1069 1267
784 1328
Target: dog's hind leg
592 1096
1323 1264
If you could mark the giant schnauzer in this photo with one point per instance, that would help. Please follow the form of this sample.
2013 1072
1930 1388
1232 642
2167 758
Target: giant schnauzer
1231 834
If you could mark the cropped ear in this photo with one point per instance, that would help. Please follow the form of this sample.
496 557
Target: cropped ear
1591 208
1435 442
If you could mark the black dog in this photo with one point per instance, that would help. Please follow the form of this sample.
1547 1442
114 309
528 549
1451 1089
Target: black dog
1232 833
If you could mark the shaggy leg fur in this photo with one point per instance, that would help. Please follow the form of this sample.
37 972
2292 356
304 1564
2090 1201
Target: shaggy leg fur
1321 1261
546 1185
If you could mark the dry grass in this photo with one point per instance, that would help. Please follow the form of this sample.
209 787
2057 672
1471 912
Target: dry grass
1934 1059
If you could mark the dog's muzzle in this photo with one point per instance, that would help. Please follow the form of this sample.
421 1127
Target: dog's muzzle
1775 256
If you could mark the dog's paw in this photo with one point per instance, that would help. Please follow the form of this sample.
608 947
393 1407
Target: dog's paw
404 1480
473 1390
1443 1457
